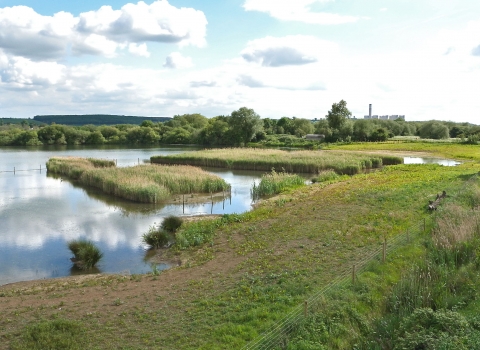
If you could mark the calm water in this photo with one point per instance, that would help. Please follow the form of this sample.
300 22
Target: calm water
428 160
40 213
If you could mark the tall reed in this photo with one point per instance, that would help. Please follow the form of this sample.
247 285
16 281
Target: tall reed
142 183
274 183
295 162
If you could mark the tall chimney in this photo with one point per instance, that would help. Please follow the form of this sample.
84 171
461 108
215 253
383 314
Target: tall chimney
370 110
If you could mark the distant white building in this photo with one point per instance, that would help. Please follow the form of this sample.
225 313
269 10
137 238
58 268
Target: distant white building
383 117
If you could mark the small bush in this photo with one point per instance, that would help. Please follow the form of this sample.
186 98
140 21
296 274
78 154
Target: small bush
275 183
171 223
156 238
327 175
87 255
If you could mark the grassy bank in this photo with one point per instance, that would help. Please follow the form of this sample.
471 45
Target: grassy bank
440 149
268 159
248 271
142 183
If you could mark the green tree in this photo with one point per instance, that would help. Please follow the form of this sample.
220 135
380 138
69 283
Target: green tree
338 115
244 124
433 130
302 127
216 132
362 129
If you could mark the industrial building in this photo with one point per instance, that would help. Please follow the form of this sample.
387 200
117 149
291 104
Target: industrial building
383 117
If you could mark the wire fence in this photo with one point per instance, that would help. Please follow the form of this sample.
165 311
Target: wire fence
277 336
15 170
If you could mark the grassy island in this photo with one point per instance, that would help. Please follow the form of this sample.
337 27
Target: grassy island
142 183
295 161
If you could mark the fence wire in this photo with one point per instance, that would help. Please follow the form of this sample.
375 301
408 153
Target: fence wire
277 335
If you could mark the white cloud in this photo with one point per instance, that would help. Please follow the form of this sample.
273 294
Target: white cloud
298 10
139 50
285 51
158 22
25 33
177 61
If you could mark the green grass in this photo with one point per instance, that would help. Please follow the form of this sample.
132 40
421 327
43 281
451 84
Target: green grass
241 274
87 255
441 148
142 183
293 162
274 183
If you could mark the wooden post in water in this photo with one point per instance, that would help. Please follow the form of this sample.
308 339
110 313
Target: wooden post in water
138 161
184 204
40 167
13 170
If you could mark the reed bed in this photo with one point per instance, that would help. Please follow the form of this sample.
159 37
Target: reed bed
274 183
141 183
294 162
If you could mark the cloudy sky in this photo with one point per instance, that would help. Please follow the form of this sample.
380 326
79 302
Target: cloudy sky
420 58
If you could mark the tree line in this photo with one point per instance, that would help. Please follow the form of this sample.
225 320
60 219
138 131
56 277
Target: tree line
239 128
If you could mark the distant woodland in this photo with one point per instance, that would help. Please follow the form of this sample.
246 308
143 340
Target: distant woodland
241 127
96 119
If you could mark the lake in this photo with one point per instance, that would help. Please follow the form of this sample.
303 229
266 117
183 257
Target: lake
39 213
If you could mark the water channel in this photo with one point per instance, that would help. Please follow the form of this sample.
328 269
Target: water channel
39 213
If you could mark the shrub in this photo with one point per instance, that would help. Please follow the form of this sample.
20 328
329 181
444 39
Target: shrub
87 255
171 223
327 175
275 183
156 238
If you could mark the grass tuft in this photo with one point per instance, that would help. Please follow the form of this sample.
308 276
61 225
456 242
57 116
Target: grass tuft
87 255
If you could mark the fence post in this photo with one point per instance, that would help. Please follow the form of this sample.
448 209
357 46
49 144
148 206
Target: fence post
13 170
384 251
40 167
305 308
353 274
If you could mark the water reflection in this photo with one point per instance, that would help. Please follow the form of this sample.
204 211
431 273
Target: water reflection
40 213
428 160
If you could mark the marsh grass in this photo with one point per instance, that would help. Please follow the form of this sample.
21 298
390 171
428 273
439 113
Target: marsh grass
142 183
274 183
441 148
156 238
293 162
326 175
87 255
171 223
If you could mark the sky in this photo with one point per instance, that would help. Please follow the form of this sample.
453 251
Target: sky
293 58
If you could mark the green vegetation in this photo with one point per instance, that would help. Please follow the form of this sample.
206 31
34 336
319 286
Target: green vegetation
440 149
171 223
159 237
156 238
53 334
142 183
294 162
241 127
275 183
87 255
96 119
241 274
